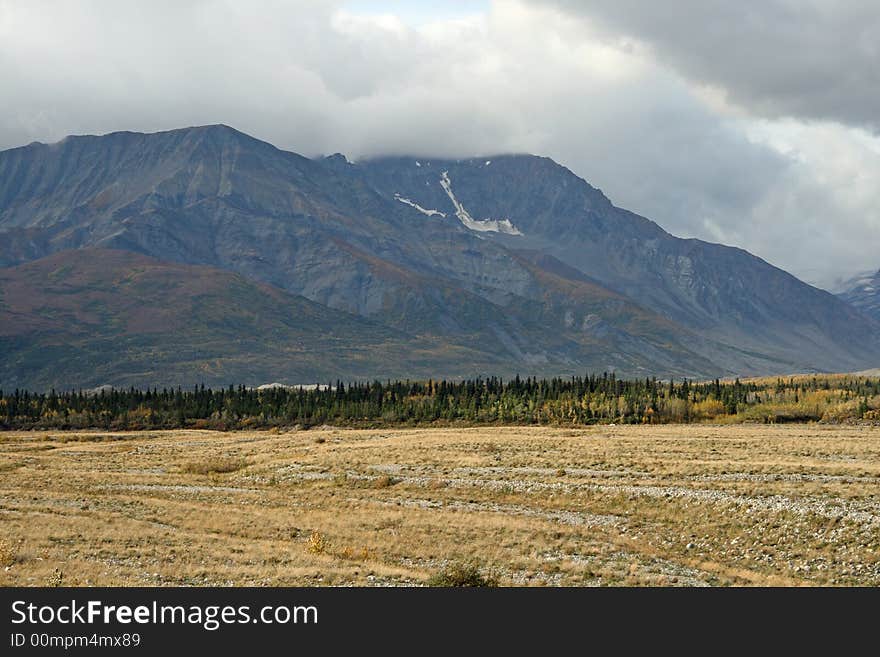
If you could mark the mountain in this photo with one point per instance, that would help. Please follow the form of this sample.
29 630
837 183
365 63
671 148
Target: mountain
753 316
85 317
88 317
513 260
863 292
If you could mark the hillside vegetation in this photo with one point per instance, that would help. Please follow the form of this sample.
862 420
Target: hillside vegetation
575 401
97 316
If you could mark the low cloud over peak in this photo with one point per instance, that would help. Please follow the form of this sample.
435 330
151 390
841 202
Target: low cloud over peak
752 127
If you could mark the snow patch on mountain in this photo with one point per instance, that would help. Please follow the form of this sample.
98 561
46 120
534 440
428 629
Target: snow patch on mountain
855 283
418 207
480 225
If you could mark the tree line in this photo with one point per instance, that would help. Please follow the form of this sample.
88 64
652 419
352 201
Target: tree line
583 400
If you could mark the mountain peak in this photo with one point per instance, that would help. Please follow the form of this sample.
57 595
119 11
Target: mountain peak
217 132
336 159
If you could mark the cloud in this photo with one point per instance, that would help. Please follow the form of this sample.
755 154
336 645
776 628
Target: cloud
809 59
319 77
823 217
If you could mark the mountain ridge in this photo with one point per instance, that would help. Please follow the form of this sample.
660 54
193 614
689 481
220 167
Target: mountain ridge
443 265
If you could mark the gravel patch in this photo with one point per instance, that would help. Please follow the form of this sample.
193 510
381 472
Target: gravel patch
550 472
867 513
179 488
575 518
795 478
678 574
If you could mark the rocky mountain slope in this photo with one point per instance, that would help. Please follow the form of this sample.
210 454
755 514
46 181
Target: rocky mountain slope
88 317
512 259
752 315
863 292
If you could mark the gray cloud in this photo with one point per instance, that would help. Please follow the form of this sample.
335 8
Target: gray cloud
818 59
317 77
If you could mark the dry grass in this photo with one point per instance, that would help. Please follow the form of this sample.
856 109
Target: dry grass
214 466
668 505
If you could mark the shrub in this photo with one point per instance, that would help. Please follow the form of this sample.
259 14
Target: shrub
317 543
7 553
462 575
356 554
384 481
56 579
708 409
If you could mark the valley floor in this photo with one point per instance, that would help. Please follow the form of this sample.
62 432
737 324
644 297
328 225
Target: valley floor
606 505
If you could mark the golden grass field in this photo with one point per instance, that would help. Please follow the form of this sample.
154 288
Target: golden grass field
608 505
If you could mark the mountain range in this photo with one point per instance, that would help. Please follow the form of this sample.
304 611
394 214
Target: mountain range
205 255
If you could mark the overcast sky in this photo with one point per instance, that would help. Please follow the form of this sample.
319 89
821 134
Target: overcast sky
754 123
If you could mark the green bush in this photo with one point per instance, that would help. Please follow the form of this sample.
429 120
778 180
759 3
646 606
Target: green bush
462 575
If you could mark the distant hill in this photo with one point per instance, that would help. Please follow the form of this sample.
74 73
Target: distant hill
863 292
482 266
91 317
